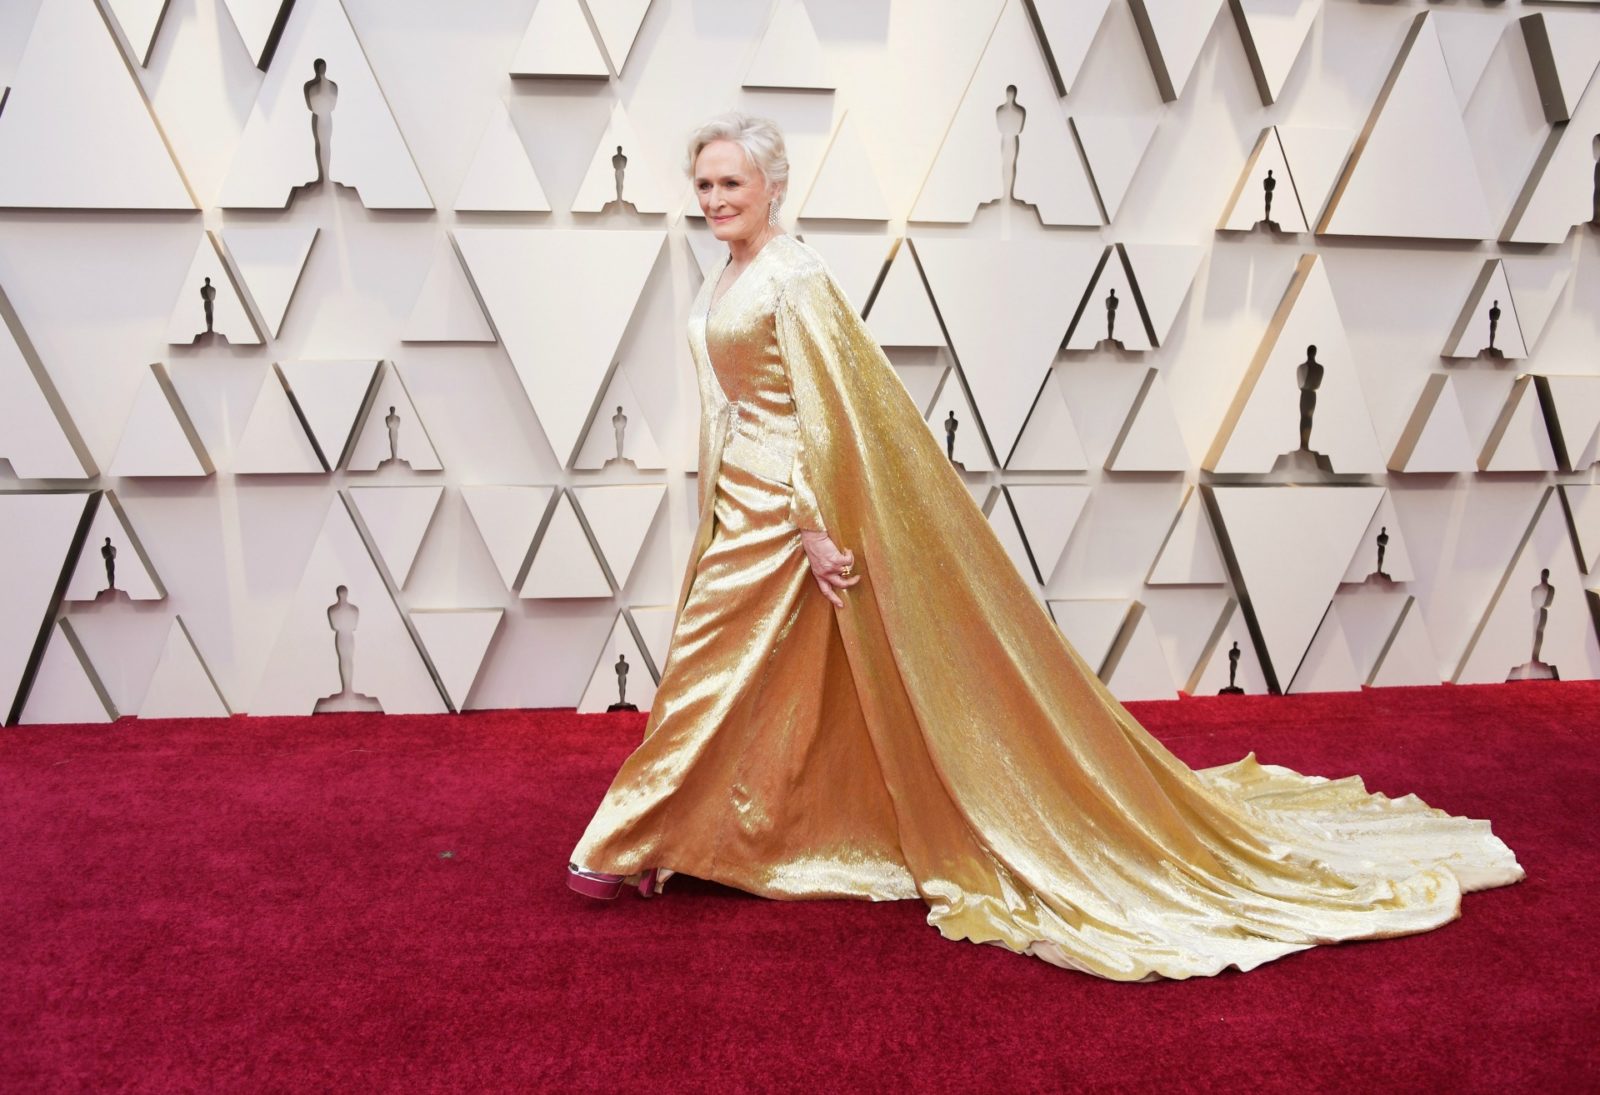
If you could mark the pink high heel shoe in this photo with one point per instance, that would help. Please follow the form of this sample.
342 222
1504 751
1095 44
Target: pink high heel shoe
604 887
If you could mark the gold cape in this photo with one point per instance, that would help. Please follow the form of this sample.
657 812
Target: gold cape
938 737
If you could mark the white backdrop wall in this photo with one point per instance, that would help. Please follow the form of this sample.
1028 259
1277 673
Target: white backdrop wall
1154 565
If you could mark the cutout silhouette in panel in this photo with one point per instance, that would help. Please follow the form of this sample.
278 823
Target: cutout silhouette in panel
622 173
1582 504
621 680
1161 274
956 426
560 301
1413 173
620 431
1538 624
1150 439
1229 664
1382 551
159 440
43 527
182 687
457 641
1520 439
902 312
75 95
1049 440
1467 39
1561 190
1435 437
329 395
320 115
564 563
209 303
1265 195
1174 32
1137 667
1564 49
1274 34
1067 28
270 260
1047 513
789 54
1002 304
856 262
1328 665
260 24
112 561
37 435
1109 316
618 22
500 178
1003 520
1300 402
139 20
1009 141
275 441
343 644
1571 407
1408 657
1114 146
1287 548
619 518
846 186
66 688
1091 627
393 432
396 519
447 308
558 42
1488 324
507 517
1189 555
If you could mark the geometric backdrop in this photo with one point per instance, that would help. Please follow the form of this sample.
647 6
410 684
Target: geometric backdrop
343 364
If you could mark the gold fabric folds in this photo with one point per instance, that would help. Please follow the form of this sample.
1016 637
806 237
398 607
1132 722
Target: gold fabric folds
938 737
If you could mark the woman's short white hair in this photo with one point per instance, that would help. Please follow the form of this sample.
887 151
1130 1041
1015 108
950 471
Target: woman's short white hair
760 138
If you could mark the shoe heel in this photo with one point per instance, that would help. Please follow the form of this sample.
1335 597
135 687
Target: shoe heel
602 887
647 883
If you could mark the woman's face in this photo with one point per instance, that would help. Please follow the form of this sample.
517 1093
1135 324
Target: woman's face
734 195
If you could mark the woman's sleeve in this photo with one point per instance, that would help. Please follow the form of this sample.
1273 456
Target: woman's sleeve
803 320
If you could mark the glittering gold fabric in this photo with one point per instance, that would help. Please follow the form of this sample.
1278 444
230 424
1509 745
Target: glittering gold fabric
938 737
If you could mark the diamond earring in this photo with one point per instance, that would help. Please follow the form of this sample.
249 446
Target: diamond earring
772 212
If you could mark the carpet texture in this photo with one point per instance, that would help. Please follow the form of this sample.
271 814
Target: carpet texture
354 903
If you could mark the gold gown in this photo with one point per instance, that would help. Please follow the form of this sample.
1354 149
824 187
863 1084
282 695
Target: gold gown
937 737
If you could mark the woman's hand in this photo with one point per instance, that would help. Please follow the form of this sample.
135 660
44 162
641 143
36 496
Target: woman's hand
829 566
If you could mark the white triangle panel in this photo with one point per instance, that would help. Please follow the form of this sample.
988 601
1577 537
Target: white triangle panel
507 518
645 183
1489 320
1576 403
446 308
397 518
274 441
1327 665
1164 273
655 623
564 564
181 686
1520 440
602 689
1409 658
618 22
902 313
1151 439
1435 438
789 54
1274 33
620 517
1090 627
158 439
1137 668
855 261
500 178
254 19
37 435
457 640
393 430
1069 28
270 260
628 437
1384 529
42 527
209 276
135 576
1268 165
558 42
66 688
330 394
1115 146
1047 512
1109 310
1190 554
139 20
1049 440
1211 672
846 186
1174 31
78 131
1316 157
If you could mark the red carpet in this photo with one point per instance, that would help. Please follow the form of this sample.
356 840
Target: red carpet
358 903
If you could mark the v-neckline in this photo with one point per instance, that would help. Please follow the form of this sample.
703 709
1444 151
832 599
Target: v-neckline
714 300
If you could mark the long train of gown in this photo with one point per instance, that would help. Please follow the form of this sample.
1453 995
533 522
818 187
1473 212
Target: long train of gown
938 737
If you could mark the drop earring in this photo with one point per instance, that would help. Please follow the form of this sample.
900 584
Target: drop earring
772 212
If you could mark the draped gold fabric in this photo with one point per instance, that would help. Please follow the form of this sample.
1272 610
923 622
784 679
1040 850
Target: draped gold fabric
938 737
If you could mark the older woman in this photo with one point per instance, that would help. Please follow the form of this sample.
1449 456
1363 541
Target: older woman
909 723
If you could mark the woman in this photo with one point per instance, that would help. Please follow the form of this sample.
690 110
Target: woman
909 722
